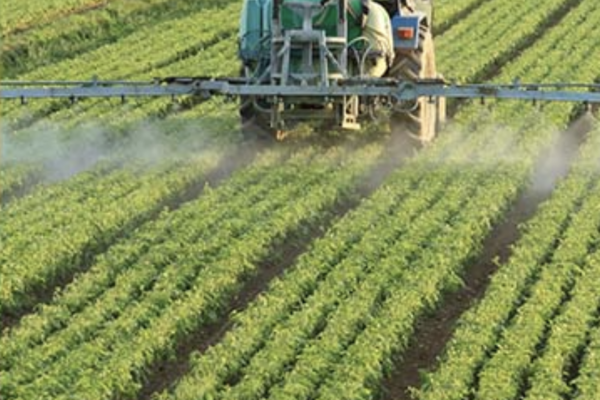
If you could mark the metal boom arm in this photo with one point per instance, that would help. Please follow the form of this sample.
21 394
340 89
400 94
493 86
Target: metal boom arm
382 88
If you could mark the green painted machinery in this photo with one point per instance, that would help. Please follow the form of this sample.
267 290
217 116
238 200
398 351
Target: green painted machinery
332 62
324 42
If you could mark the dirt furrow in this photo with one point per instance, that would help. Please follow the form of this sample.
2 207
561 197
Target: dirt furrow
434 330
166 373
232 161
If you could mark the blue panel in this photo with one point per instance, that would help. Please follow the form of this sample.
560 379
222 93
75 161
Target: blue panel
400 22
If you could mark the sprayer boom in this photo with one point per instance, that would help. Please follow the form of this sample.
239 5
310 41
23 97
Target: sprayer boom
392 90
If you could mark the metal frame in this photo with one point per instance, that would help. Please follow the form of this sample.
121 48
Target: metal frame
331 51
396 91
280 88
307 40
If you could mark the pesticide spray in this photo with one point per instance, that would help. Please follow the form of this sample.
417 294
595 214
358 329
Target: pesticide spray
59 153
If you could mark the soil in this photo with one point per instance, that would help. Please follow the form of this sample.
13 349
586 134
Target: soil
43 295
434 330
165 374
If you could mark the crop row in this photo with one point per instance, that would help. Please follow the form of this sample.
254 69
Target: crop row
498 28
88 287
127 117
276 342
545 62
29 210
581 315
492 208
15 179
569 329
571 271
52 239
588 382
356 338
294 319
135 54
79 33
567 337
449 12
479 330
197 283
357 374
502 374
130 279
23 15
23 342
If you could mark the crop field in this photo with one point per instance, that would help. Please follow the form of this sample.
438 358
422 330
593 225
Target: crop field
149 251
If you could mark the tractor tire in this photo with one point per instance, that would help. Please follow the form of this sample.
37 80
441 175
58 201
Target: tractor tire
418 121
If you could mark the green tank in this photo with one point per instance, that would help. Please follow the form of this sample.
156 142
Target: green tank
366 19
327 20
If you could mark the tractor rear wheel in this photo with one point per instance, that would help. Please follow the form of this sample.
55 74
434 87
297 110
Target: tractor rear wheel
417 121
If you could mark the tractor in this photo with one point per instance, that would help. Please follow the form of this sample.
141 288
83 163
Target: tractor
324 43
335 63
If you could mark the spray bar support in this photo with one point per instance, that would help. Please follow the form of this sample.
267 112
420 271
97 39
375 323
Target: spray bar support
376 88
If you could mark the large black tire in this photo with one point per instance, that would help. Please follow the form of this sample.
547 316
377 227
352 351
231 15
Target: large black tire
418 121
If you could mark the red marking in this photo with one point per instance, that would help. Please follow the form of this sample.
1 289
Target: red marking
406 33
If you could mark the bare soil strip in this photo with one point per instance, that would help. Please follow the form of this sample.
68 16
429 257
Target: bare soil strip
168 372
434 330
165 374
237 158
